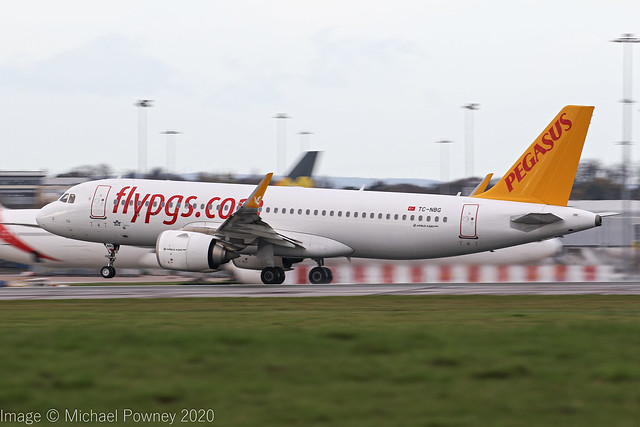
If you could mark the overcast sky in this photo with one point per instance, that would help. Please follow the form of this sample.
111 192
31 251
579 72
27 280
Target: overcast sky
376 82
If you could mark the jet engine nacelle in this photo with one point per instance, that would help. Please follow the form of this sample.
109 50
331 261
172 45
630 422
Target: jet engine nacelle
190 251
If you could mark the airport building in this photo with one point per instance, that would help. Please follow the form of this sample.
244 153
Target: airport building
32 189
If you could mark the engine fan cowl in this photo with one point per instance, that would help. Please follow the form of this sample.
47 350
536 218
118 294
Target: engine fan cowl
191 251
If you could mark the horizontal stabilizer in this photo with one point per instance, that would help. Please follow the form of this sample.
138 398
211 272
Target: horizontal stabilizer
536 219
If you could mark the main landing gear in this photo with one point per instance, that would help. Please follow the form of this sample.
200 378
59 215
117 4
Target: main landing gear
109 271
272 276
276 275
320 275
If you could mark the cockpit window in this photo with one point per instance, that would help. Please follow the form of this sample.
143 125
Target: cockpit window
68 198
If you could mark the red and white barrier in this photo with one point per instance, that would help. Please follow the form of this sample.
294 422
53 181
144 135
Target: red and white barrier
415 273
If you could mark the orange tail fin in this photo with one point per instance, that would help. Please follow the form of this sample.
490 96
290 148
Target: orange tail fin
545 172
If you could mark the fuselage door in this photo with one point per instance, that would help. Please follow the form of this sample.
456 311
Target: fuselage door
468 222
99 202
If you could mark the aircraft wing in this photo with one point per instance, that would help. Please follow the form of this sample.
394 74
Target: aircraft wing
245 227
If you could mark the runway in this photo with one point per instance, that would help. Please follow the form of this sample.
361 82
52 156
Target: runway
263 291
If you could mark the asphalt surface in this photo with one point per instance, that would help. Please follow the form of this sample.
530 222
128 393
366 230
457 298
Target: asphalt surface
260 291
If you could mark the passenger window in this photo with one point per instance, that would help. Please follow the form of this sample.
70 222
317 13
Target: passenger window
339 213
428 218
355 214
308 212
404 217
444 219
388 216
436 219
275 210
395 217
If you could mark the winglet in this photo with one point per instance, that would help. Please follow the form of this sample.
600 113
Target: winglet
545 172
480 188
255 198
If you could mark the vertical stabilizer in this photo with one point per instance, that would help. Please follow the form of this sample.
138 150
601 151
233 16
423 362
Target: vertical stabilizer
545 172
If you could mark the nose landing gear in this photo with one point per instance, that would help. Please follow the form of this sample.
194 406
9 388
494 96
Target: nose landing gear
109 271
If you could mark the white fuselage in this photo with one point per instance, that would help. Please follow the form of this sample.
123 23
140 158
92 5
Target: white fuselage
327 222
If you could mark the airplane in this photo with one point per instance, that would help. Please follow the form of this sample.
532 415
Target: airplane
23 241
200 226
301 174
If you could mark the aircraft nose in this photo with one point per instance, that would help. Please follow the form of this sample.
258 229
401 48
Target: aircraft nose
46 217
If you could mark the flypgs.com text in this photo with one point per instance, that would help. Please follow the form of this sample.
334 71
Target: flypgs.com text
156 204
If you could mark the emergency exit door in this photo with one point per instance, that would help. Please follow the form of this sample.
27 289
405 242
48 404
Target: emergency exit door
468 222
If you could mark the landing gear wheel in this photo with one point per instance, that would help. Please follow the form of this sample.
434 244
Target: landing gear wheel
272 276
329 274
108 272
320 275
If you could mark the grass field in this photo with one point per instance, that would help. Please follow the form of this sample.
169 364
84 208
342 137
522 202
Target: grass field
346 361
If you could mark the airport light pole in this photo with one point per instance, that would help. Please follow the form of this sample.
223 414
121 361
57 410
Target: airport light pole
627 105
281 143
304 140
143 105
171 149
444 164
469 157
